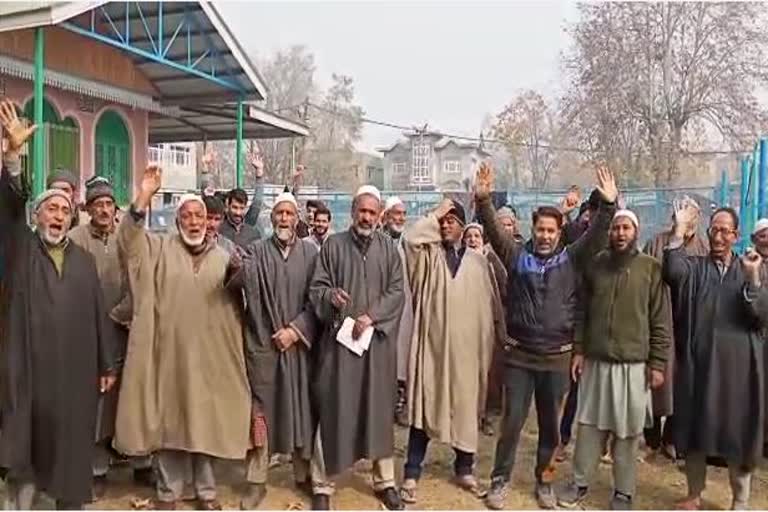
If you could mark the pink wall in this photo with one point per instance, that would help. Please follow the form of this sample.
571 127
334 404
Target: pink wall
66 104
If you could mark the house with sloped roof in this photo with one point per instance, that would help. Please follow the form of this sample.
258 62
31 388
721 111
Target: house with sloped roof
431 161
105 80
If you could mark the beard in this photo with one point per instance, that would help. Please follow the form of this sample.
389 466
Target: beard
629 248
51 239
192 242
285 235
396 228
364 231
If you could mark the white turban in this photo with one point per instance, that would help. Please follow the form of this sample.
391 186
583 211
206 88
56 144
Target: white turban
369 190
50 193
188 198
474 225
628 214
392 202
760 225
286 197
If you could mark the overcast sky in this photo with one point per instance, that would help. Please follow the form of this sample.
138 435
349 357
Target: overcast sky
448 64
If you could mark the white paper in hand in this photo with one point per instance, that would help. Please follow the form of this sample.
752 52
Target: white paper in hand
358 346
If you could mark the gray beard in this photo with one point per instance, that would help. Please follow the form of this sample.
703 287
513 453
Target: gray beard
193 243
364 232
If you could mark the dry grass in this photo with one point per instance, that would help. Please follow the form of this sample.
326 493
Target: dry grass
660 484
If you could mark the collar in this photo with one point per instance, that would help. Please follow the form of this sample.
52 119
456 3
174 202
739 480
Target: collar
362 242
98 234
237 227
61 245
284 246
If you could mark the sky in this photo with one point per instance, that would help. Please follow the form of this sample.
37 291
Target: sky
448 64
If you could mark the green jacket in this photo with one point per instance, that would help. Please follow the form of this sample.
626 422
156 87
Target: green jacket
626 319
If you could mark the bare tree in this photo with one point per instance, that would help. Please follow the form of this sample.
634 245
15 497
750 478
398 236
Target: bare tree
643 74
336 126
527 126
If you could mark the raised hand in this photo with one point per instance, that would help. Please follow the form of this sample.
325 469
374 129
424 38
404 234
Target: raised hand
16 133
483 181
151 180
751 262
606 184
686 215
257 162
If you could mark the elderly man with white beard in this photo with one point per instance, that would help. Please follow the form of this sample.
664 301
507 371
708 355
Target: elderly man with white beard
393 224
185 391
281 333
55 343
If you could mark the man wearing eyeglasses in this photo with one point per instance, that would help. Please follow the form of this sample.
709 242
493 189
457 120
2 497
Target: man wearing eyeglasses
719 380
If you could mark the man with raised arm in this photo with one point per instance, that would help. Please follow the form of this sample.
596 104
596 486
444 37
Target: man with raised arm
185 392
542 312
57 346
719 379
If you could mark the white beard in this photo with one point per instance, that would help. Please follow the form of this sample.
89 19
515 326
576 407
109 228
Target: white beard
50 239
397 229
284 234
192 242
478 250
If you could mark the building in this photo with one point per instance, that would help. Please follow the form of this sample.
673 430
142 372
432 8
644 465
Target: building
179 163
431 161
104 80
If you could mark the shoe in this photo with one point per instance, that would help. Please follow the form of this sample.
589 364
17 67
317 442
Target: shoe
562 453
497 495
545 496
621 502
467 482
669 451
408 491
144 477
208 505
163 505
321 502
99 487
390 498
486 427
253 496
571 496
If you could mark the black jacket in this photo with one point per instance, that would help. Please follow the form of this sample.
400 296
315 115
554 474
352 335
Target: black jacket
542 294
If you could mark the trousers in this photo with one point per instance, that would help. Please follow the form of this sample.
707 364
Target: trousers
740 480
418 440
521 385
174 470
590 444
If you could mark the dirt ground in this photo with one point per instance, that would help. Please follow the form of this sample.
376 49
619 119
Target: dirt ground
660 484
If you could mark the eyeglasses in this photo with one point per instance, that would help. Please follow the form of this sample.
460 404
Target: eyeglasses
714 231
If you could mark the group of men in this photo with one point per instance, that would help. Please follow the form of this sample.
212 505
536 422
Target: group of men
214 342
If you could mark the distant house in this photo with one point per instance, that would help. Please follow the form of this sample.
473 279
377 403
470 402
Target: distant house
431 161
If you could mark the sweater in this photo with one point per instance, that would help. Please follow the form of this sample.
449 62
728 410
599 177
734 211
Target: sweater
626 318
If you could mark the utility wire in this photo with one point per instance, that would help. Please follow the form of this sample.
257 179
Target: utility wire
421 130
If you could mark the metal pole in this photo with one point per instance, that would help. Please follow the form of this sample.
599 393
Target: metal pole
755 183
724 188
239 145
38 171
743 195
763 176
